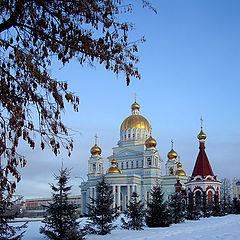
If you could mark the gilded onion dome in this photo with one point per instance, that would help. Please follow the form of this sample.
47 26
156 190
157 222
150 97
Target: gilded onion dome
150 142
135 106
135 120
95 150
172 155
114 168
202 135
180 171
179 165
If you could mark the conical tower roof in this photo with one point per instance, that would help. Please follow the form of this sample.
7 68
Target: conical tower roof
202 166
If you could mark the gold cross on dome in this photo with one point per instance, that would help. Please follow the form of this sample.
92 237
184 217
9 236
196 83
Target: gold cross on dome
135 96
96 137
172 143
201 121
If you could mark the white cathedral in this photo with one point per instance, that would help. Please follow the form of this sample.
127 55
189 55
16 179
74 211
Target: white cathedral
136 166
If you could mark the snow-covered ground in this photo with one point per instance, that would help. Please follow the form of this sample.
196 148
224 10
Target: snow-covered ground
225 228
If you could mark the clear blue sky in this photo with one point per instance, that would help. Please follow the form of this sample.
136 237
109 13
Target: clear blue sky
190 67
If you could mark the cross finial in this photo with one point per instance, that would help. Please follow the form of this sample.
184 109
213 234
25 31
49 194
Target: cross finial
178 158
201 121
96 137
172 143
135 96
150 131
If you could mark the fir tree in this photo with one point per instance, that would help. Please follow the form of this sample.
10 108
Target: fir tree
205 208
61 220
134 213
157 214
236 206
216 206
191 211
176 208
100 211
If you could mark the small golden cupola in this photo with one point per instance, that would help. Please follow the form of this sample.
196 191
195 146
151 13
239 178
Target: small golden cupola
180 171
96 150
201 135
172 155
114 169
150 142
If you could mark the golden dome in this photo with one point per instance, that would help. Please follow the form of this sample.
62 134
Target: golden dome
150 142
172 154
95 150
135 106
180 172
114 168
179 165
135 121
202 135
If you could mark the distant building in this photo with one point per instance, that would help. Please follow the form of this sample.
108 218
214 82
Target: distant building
37 207
135 165
236 188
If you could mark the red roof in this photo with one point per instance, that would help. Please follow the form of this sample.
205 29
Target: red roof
202 166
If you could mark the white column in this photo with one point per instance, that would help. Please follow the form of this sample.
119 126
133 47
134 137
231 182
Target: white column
119 195
114 188
128 193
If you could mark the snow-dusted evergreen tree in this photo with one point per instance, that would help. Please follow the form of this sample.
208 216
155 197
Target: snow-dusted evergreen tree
236 206
134 214
176 208
206 207
226 196
100 211
61 220
216 206
157 214
192 213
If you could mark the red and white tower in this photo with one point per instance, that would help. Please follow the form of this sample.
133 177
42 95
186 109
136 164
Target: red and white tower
202 178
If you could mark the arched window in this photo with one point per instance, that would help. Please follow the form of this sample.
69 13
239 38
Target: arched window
170 170
94 167
142 163
149 161
136 164
122 165
127 165
132 164
210 196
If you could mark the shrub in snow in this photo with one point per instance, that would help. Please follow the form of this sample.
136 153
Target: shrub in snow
134 214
